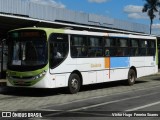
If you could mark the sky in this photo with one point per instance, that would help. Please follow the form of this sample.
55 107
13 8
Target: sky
128 10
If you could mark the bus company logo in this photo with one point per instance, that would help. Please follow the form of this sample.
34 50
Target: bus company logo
6 114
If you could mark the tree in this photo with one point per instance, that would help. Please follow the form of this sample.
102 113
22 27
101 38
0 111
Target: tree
151 6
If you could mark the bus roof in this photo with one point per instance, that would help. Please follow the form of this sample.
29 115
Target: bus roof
68 31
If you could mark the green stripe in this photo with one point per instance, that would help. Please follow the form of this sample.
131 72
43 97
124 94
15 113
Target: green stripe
26 74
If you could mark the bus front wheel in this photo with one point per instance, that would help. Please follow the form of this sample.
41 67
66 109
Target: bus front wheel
74 83
131 77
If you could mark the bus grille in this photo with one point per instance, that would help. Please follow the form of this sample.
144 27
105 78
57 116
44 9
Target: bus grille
17 77
22 83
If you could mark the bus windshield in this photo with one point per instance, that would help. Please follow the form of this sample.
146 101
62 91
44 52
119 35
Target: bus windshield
27 50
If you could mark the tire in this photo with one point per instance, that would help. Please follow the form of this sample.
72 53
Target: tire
131 77
74 83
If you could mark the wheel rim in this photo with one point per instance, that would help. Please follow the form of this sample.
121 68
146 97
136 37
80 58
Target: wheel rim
74 84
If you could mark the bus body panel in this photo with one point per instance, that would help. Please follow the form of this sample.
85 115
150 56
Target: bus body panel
144 65
94 69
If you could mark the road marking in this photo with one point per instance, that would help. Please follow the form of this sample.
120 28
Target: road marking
100 104
58 112
105 103
97 97
144 106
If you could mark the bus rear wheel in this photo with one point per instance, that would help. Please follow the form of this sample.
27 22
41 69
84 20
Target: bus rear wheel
74 83
131 77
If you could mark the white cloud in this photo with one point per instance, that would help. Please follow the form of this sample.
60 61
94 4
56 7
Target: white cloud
49 2
98 1
135 12
138 15
133 9
156 26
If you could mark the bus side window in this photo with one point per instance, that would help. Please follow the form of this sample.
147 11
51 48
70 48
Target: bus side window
122 44
107 47
107 53
120 52
95 46
134 50
74 52
78 46
59 47
143 48
152 48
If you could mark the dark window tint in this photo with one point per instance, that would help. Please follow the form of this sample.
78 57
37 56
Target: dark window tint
116 47
143 47
122 47
28 50
58 49
78 46
152 48
134 50
95 48
110 47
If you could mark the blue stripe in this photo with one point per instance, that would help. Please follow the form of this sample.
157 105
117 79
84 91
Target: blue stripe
116 62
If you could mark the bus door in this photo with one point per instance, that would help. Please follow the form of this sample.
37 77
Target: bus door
59 48
3 58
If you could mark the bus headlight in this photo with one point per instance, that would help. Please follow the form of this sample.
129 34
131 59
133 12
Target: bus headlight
40 75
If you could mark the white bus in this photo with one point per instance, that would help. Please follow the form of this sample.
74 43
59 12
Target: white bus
52 58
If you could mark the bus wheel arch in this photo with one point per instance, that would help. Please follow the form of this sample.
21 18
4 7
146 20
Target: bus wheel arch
132 75
74 82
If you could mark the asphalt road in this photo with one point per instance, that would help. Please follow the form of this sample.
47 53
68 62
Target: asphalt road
113 100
